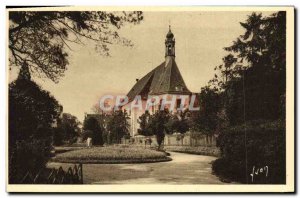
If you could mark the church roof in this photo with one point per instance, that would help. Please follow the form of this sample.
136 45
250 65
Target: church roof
164 79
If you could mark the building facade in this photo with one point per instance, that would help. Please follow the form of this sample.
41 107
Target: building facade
163 82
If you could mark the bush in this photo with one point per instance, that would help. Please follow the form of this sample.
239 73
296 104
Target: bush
265 144
28 155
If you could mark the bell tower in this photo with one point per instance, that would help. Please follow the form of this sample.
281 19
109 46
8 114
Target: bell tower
170 44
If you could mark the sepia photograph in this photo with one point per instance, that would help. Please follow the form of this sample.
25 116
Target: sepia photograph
150 99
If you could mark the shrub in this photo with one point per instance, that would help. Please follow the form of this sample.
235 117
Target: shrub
265 146
28 155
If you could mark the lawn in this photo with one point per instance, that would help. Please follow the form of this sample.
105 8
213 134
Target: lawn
111 154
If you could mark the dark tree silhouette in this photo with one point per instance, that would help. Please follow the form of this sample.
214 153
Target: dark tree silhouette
157 125
144 124
32 113
179 122
67 129
118 126
252 81
91 124
206 120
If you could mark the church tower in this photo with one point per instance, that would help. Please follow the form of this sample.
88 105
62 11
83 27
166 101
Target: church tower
170 44
163 81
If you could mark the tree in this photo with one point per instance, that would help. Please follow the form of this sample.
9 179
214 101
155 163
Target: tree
67 129
253 98
259 88
92 129
32 114
30 107
144 124
41 39
206 120
118 126
178 122
157 125
251 78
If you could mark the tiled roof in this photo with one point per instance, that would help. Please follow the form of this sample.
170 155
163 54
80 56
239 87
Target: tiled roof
164 79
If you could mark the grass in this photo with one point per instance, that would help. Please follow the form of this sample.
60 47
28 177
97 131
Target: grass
111 154
63 149
197 150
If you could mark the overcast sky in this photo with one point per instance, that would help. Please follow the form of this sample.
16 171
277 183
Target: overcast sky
200 39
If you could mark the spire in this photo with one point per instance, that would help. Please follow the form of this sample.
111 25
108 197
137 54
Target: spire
170 43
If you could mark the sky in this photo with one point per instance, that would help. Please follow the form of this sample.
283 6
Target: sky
200 39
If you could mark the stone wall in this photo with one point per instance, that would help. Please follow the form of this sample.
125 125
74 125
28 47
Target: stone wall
189 139
176 139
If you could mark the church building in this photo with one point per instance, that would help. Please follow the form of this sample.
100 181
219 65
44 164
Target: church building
164 81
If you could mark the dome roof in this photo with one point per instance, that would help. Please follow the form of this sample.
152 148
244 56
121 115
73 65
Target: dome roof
170 35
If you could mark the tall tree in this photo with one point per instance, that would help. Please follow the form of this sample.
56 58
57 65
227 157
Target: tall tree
252 75
157 125
254 103
144 124
91 124
32 114
41 38
30 107
261 86
118 126
206 120
67 129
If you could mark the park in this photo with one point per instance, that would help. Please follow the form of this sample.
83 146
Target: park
220 100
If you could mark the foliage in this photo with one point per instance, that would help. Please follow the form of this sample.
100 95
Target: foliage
92 129
157 124
113 154
178 122
207 119
144 124
251 82
162 122
256 143
30 108
28 155
118 126
32 112
252 76
67 129
41 39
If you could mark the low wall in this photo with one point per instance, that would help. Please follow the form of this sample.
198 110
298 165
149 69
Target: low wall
176 139
197 150
189 139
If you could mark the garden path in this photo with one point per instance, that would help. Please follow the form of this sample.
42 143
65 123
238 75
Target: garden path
183 169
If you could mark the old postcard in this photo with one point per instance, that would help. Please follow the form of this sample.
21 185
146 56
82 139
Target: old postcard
150 99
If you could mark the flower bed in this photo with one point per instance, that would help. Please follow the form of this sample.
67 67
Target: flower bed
111 154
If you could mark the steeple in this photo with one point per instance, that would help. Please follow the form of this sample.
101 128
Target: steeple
170 44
